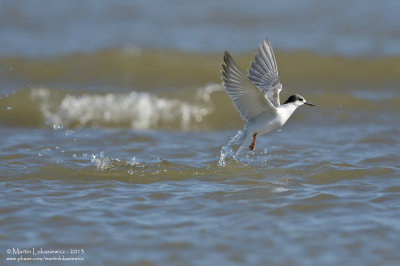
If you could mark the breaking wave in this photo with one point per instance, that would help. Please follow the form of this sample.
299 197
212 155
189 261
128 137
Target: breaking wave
138 110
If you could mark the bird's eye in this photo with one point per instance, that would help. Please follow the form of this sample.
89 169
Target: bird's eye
301 99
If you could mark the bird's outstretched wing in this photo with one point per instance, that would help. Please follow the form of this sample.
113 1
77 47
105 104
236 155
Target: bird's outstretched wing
264 72
249 100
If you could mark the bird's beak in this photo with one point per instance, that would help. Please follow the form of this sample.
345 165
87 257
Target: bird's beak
310 104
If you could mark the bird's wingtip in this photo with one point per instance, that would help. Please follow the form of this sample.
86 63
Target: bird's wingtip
226 54
227 57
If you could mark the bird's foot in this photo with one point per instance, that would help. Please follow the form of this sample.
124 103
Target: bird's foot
253 143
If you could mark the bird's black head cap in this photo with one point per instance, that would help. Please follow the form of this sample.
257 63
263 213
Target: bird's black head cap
294 98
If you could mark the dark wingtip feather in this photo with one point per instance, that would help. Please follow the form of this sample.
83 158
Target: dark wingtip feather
228 61
227 57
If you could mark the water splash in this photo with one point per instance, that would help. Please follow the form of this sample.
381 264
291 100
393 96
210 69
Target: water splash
233 151
103 162
227 152
254 158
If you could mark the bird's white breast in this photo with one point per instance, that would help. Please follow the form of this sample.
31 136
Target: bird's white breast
268 121
285 111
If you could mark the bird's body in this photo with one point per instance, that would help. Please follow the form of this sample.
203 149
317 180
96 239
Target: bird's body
256 96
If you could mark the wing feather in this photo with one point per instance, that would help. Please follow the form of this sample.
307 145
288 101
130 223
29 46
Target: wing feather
249 100
263 72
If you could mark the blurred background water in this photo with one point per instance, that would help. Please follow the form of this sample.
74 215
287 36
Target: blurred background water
42 27
115 133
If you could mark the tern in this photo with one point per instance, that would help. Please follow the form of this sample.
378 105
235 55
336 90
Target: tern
256 96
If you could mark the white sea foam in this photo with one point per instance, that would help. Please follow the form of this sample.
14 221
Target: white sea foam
140 110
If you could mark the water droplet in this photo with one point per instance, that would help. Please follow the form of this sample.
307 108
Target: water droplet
69 132
57 127
8 108
133 161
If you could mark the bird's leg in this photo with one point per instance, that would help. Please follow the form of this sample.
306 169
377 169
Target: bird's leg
253 143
